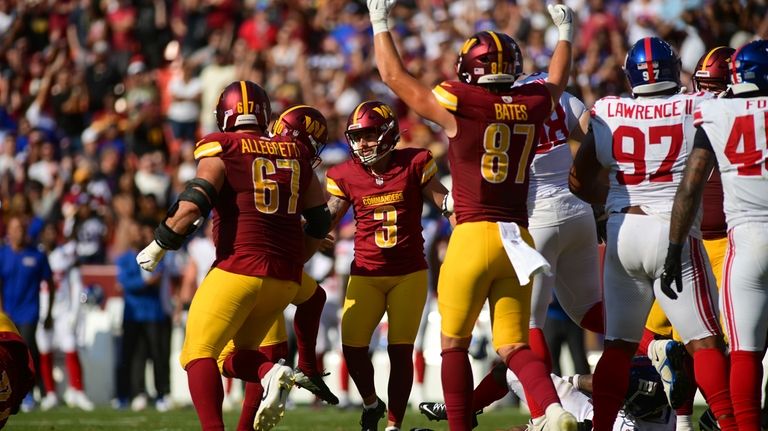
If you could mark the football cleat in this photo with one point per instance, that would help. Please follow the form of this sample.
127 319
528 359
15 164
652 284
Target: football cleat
49 401
316 385
668 357
558 419
277 385
369 420
77 398
707 421
438 412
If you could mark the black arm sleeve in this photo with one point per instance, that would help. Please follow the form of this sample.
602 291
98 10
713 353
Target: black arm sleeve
318 221
701 140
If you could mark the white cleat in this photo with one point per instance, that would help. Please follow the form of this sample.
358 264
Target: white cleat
77 399
558 419
49 401
668 357
277 384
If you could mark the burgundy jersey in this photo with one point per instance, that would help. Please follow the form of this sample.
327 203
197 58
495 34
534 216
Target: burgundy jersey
387 209
493 148
713 225
17 371
257 217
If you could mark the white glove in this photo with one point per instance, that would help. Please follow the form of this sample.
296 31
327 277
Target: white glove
562 16
447 207
150 256
379 13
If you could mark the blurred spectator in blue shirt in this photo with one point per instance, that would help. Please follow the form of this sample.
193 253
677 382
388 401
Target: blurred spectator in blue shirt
146 322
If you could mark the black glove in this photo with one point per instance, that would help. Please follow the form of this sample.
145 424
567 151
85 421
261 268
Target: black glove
601 220
673 271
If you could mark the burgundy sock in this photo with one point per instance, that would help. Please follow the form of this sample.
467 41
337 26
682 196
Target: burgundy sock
746 379
533 374
46 372
687 408
74 370
360 369
594 319
306 324
487 391
538 344
456 375
251 401
400 380
206 391
419 366
248 365
275 352
609 385
228 383
648 336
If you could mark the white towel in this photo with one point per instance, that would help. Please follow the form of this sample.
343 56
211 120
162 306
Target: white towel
525 259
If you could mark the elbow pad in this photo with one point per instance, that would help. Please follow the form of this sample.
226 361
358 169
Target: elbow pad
318 221
201 193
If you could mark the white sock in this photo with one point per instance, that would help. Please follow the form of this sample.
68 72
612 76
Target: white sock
392 428
684 423
371 406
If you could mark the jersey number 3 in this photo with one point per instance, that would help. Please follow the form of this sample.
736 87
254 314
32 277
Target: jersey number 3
266 192
494 164
386 236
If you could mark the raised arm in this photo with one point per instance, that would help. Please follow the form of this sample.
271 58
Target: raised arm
560 64
413 92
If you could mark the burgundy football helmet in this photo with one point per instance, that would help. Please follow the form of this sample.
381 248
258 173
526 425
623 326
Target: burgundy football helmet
712 70
305 124
489 57
242 103
372 121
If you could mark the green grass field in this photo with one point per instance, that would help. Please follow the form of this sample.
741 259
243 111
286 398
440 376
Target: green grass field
299 419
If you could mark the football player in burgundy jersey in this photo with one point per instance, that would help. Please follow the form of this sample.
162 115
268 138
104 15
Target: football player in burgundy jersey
387 188
260 187
308 126
640 145
493 130
732 133
711 76
563 229
17 371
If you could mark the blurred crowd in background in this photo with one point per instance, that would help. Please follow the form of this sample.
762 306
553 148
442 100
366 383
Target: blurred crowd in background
102 101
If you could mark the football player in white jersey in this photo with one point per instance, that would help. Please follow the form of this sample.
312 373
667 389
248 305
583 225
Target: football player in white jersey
640 144
64 334
645 406
711 75
731 132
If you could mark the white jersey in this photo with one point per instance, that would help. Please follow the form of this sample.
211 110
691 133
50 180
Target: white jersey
550 202
66 275
737 129
580 405
645 143
202 252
